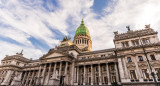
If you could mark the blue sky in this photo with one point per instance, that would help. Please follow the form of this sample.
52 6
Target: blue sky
38 25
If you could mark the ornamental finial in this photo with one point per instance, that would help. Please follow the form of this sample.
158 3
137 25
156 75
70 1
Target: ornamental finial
82 22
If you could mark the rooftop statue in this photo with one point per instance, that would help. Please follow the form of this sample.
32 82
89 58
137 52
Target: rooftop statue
147 26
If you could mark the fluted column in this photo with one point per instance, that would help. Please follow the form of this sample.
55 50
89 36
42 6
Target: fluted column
60 69
92 78
100 76
109 79
84 76
38 80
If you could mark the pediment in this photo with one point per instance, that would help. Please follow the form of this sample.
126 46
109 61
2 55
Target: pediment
55 54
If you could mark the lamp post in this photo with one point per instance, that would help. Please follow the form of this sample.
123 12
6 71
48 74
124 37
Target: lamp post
149 65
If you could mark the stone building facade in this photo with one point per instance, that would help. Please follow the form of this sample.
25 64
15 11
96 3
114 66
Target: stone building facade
74 63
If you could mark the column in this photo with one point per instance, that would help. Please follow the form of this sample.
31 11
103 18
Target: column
48 76
65 73
27 78
31 78
109 79
60 69
84 75
38 80
100 76
121 70
139 76
125 69
77 74
25 74
117 74
72 73
43 74
54 70
7 77
92 74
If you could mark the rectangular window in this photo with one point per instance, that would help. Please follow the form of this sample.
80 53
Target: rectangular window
152 57
145 74
89 69
127 44
137 42
133 42
104 68
133 75
123 44
145 41
103 55
140 58
112 67
97 69
129 59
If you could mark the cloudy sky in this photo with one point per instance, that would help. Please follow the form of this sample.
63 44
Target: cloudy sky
37 25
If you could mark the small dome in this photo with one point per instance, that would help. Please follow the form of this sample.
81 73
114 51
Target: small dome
82 29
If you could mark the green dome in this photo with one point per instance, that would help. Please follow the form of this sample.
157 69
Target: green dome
82 29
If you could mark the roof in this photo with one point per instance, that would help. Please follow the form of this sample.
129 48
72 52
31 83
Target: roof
82 30
97 51
17 56
133 34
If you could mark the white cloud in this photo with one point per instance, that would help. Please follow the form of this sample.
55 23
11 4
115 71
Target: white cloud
31 19
11 49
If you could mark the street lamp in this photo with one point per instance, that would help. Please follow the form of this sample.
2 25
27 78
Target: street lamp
149 65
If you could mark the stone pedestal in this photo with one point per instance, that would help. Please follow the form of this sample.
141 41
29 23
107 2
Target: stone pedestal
54 82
